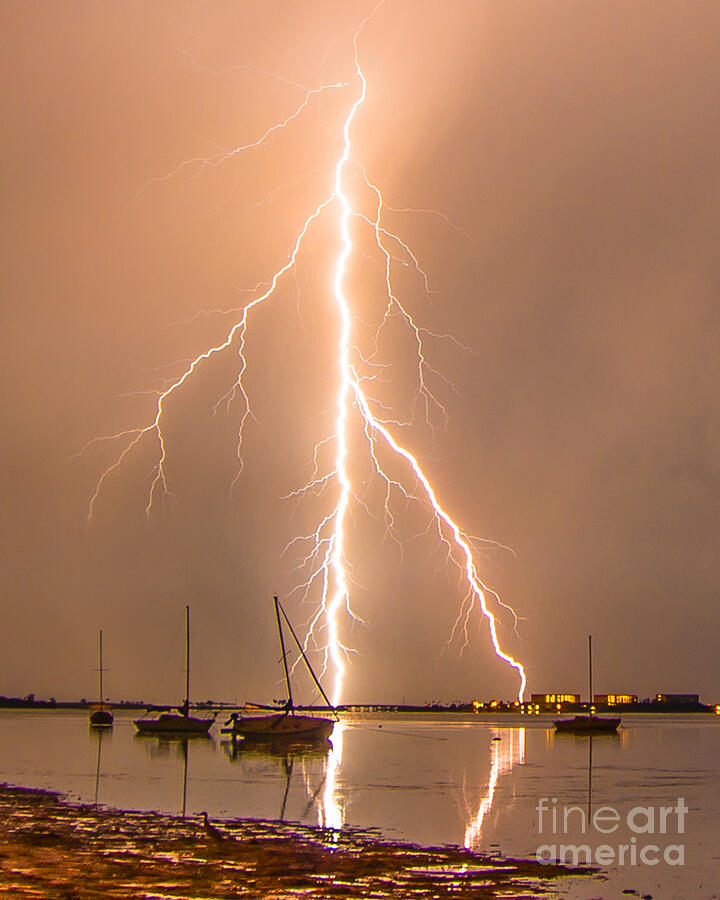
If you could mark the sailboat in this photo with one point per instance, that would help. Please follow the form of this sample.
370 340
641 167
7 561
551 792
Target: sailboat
590 724
101 717
287 725
179 723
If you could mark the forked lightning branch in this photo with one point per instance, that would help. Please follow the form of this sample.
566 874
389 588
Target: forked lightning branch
328 583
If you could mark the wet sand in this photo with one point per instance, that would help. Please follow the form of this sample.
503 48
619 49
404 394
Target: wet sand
50 848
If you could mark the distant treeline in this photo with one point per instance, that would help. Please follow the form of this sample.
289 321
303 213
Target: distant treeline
489 708
22 702
30 702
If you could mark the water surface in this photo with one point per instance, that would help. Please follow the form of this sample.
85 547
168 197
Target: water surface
433 779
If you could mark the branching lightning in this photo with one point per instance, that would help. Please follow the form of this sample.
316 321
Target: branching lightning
326 562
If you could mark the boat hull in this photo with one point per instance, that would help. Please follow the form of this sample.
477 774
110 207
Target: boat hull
172 724
281 727
587 725
101 718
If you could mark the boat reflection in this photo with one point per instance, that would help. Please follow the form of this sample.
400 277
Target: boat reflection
185 754
612 737
507 749
316 762
239 750
161 747
101 734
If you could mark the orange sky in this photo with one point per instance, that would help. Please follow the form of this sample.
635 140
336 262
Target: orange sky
575 144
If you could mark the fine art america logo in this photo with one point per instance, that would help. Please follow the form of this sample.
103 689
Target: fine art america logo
643 835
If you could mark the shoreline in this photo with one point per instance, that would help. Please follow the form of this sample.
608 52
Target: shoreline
487 711
59 850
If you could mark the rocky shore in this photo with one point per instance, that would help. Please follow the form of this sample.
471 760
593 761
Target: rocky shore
56 850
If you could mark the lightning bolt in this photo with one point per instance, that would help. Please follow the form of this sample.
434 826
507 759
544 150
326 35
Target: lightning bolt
327 559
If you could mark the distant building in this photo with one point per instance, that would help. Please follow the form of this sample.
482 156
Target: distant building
678 698
547 699
493 706
614 699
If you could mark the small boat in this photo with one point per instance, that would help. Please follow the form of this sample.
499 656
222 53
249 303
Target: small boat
175 724
179 723
590 724
286 725
101 717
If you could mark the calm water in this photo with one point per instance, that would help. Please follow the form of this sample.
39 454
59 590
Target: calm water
441 779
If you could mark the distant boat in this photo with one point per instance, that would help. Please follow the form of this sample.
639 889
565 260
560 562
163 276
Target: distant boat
285 726
101 717
590 724
180 723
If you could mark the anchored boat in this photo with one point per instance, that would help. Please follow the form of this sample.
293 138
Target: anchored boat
287 725
590 724
180 723
101 717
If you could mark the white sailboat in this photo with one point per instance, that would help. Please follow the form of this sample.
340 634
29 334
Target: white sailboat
179 723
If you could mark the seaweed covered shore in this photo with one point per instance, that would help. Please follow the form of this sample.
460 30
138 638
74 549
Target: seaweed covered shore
50 848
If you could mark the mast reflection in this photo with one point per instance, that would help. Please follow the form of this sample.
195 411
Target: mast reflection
102 734
160 747
322 794
507 751
184 746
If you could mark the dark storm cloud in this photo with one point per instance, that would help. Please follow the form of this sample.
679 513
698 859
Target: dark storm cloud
577 144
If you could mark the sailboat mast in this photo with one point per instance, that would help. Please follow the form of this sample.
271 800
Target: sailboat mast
590 668
186 705
101 670
307 662
284 655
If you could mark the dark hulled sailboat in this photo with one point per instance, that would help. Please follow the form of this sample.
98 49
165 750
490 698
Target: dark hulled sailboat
286 726
590 724
101 717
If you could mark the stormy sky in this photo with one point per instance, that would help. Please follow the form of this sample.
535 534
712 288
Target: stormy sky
575 145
